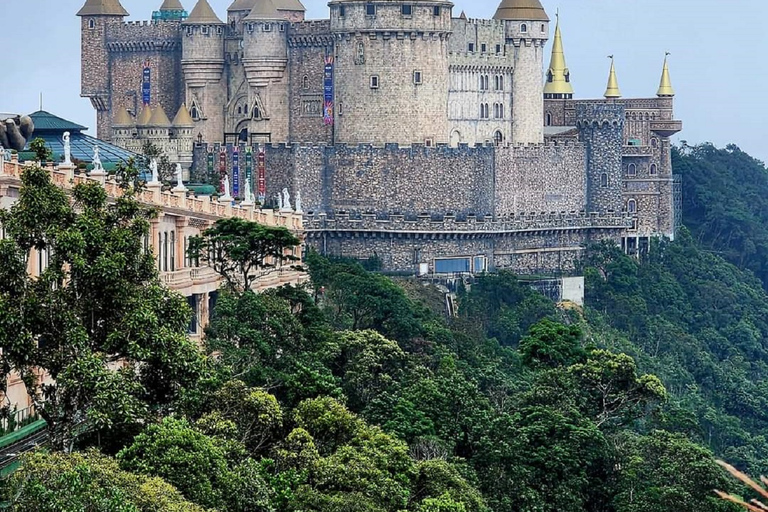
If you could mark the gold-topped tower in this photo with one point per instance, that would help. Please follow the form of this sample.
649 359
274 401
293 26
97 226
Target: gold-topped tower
521 10
612 91
665 87
558 85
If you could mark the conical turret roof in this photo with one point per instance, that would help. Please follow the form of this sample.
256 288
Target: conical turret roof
159 118
144 116
290 5
102 8
122 118
522 10
202 14
558 83
612 90
171 5
264 10
242 5
665 87
183 119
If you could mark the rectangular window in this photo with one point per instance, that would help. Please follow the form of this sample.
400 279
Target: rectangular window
479 264
417 77
374 81
406 9
436 10
340 108
471 47
370 10
429 142
483 48
452 265
204 30
267 27
342 11
282 27
250 27
218 30
498 49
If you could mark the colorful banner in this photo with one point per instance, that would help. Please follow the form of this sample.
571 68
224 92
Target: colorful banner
262 178
248 168
328 90
222 167
236 171
209 166
146 83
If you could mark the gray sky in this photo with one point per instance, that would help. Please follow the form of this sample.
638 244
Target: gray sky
716 62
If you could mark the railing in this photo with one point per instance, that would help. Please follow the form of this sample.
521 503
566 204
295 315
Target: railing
17 419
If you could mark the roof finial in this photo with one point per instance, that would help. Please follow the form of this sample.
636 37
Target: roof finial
558 83
665 86
612 91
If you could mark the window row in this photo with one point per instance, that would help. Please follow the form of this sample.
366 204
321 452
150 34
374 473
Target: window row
498 82
205 30
483 48
374 80
405 10
498 111
632 170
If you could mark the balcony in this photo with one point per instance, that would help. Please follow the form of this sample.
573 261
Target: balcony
666 128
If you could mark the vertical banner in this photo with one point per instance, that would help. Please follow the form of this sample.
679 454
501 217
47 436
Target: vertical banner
262 178
328 90
248 168
222 167
236 171
209 166
146 83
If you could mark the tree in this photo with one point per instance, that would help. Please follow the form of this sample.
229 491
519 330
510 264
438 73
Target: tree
239 249
88 481
41 150
166 171
550 344
110 338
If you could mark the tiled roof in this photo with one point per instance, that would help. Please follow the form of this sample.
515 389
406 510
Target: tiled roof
45 121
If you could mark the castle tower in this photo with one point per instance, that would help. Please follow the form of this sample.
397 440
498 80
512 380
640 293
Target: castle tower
527 30
601 129
158 128
182 136
170 10
97 19
122 128
612 90
238 10
202 63
665 86
558 80
265 60
391 71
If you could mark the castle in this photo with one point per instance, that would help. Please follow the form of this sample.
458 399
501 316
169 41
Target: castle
437 143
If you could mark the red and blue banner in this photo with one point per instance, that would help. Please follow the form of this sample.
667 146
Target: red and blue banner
222 167
328 90
262 178
248 167
146 83
235 171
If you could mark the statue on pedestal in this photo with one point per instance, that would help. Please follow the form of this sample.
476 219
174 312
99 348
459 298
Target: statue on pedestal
67 150
298 201
153 168
97 166
286 200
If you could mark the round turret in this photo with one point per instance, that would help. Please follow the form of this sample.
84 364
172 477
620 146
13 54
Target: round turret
526 27
265 45
202 55
391 70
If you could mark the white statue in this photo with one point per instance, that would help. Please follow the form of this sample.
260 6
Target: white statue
226 196
153 168
279 201
67 150
179 184
3 158
97 167
286 199
298 201
248 196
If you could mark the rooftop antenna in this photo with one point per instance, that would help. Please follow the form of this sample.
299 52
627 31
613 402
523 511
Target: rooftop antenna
41 100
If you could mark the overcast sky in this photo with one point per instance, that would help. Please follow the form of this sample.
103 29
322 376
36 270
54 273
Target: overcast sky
717 61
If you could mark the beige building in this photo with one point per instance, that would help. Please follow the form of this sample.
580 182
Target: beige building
180 217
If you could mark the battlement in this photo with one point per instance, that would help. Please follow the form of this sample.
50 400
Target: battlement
425 223
599 113
494 23
145 30
310 27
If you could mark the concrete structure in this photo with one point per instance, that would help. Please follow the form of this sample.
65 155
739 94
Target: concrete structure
180 217
396 109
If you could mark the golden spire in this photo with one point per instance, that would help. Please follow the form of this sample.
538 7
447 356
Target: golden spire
665 87
183 119
612 91
144 116
558 84
122 118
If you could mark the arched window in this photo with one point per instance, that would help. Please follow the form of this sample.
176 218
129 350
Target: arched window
165 251
604 180
498 137
631 169
484 82
256 113
194 113
305 82
654 142
631 206
654 169
550 76
91 24
239 110
523 28
549 119
173 251
498 81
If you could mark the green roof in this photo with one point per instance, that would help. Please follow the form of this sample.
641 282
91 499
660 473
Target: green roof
45 121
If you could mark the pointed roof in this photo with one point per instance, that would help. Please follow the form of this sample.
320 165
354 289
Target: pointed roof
264 10
612 90
171 5
159 118
242 5
522 10
462 16
665 87
202 14
558 76
290 5
122 118
183 119
45 121
145 116
102 8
